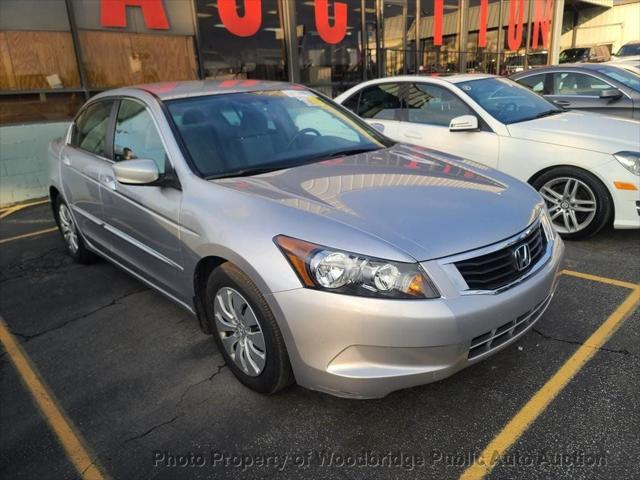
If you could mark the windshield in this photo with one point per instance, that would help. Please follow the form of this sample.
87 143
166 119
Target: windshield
573 55
507 101
629 50
245 133
629 77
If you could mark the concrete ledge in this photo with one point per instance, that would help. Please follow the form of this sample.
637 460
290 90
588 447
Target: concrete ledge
23 160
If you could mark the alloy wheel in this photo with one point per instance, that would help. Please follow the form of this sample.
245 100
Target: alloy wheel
240 331
571 203
68 228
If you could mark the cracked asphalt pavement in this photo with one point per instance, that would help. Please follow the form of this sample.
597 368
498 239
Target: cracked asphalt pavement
145 388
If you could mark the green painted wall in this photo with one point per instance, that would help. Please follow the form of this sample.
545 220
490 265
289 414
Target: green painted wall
23 160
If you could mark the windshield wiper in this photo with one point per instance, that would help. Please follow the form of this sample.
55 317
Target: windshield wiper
248 172
548 113
352 151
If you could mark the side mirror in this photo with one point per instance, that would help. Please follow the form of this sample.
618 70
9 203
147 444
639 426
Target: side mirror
464 123
139 171
610 94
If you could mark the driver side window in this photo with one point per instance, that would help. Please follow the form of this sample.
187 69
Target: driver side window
136 135
433 105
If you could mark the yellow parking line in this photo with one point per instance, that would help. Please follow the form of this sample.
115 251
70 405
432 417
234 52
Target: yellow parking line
5 212
550 390
596 278
27 235
70 440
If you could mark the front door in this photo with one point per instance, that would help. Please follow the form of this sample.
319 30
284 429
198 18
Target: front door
143 221
576 90
429 109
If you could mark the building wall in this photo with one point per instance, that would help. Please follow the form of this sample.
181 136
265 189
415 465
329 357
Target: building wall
23 160
614 26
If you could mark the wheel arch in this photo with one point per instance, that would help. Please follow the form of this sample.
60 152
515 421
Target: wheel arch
597 177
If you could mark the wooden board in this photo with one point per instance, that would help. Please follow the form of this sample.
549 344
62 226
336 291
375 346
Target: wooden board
27 58
113 59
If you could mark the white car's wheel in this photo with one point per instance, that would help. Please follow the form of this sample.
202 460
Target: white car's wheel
578 203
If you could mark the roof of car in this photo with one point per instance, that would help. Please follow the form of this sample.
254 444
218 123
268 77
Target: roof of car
568 66
194 88
446 77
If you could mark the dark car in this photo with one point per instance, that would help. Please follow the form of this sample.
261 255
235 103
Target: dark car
602 88
595 54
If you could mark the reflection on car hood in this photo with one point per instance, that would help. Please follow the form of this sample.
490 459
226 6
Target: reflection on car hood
584 130
424 202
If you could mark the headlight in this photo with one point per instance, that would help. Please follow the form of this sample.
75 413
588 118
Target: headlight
630 161
352 274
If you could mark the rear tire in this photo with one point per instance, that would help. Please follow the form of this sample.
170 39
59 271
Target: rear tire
245 331
70 233
578 203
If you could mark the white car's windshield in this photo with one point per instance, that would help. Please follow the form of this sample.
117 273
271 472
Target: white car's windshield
507 101
629 50
238 134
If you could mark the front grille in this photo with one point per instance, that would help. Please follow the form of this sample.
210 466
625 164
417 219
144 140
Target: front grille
497 269
493 339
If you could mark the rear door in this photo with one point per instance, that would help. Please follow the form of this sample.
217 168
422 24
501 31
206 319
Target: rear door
578 90
428 113
83 161
143 221
380 105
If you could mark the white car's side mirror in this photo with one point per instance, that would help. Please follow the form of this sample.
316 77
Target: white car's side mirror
136 172
464 123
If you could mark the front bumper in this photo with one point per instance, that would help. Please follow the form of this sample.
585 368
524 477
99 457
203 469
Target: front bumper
366 348
626 203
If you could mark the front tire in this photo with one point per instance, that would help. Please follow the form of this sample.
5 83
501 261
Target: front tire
578 203
246 331
70 233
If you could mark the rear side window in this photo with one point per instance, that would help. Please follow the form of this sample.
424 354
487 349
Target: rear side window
381 102
90 131
534 82
352 102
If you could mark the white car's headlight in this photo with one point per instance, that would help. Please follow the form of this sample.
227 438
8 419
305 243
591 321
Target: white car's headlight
338 271
630 161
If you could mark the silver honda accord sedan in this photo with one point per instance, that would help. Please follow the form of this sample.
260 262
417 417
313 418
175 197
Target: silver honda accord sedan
310 246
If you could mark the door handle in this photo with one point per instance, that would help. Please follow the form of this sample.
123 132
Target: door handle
109 181
413 135
562 103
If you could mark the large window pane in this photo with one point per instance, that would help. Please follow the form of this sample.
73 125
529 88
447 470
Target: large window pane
330 68
445 57
228 56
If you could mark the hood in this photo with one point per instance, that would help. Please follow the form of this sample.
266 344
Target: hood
583 130
425 203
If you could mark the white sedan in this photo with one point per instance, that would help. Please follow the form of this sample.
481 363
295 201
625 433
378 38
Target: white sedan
586 166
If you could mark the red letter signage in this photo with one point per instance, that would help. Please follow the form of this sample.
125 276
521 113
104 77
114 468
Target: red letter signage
328 33
113 13
515 24
244 26
482 33
542 21
438 13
